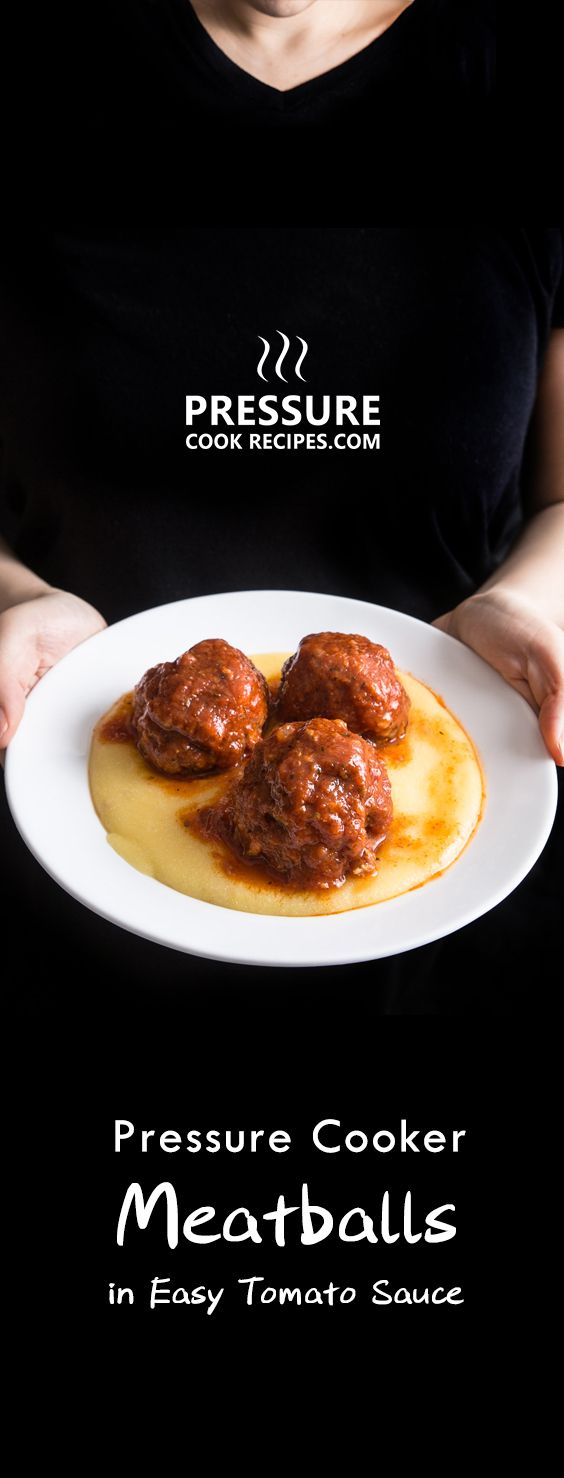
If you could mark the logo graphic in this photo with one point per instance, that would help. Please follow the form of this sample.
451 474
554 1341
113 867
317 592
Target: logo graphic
303 420
280 360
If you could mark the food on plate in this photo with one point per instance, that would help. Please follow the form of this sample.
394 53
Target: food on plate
312 805
154 820
203 712
344 676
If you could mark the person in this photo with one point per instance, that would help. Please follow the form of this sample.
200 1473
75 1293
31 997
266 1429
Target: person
327 102
515 621
320 38
457 519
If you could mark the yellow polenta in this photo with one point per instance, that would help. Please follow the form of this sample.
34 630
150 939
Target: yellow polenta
437 792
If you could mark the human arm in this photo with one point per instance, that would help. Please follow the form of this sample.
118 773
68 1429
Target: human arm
38 624
515 621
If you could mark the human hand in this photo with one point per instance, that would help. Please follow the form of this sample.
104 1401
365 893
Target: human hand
34 635
511 634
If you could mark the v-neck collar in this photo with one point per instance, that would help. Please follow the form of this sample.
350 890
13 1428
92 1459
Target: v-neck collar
239 78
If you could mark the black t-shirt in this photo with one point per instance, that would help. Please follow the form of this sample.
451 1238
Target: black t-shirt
107 332
436 49
134 97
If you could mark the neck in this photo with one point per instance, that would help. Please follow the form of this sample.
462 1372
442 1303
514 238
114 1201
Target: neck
319 22
284 50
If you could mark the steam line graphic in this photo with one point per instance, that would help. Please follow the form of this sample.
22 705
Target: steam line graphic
280 360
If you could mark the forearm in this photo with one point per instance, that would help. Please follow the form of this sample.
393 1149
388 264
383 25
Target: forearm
534 568
17 582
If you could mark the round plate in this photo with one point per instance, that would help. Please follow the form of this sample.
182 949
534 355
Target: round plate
48 793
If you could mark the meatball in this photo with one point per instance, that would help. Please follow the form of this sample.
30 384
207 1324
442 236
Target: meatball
346 677
313 804
205 711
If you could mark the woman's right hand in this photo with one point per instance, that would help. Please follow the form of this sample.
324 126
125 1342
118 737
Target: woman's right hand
34 634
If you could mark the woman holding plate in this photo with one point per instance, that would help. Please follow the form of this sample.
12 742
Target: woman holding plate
456 519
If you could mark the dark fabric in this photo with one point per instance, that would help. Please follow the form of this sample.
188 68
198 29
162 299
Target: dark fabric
151 63
558 310
434 47
132 101
105 334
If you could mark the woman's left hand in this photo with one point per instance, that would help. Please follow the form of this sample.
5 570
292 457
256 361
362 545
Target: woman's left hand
511 634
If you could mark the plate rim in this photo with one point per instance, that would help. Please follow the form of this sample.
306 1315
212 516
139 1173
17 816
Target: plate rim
225 954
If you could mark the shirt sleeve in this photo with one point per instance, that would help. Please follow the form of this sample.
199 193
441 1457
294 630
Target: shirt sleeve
558 307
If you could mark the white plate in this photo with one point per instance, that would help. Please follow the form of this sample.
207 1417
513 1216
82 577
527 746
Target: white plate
47 782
